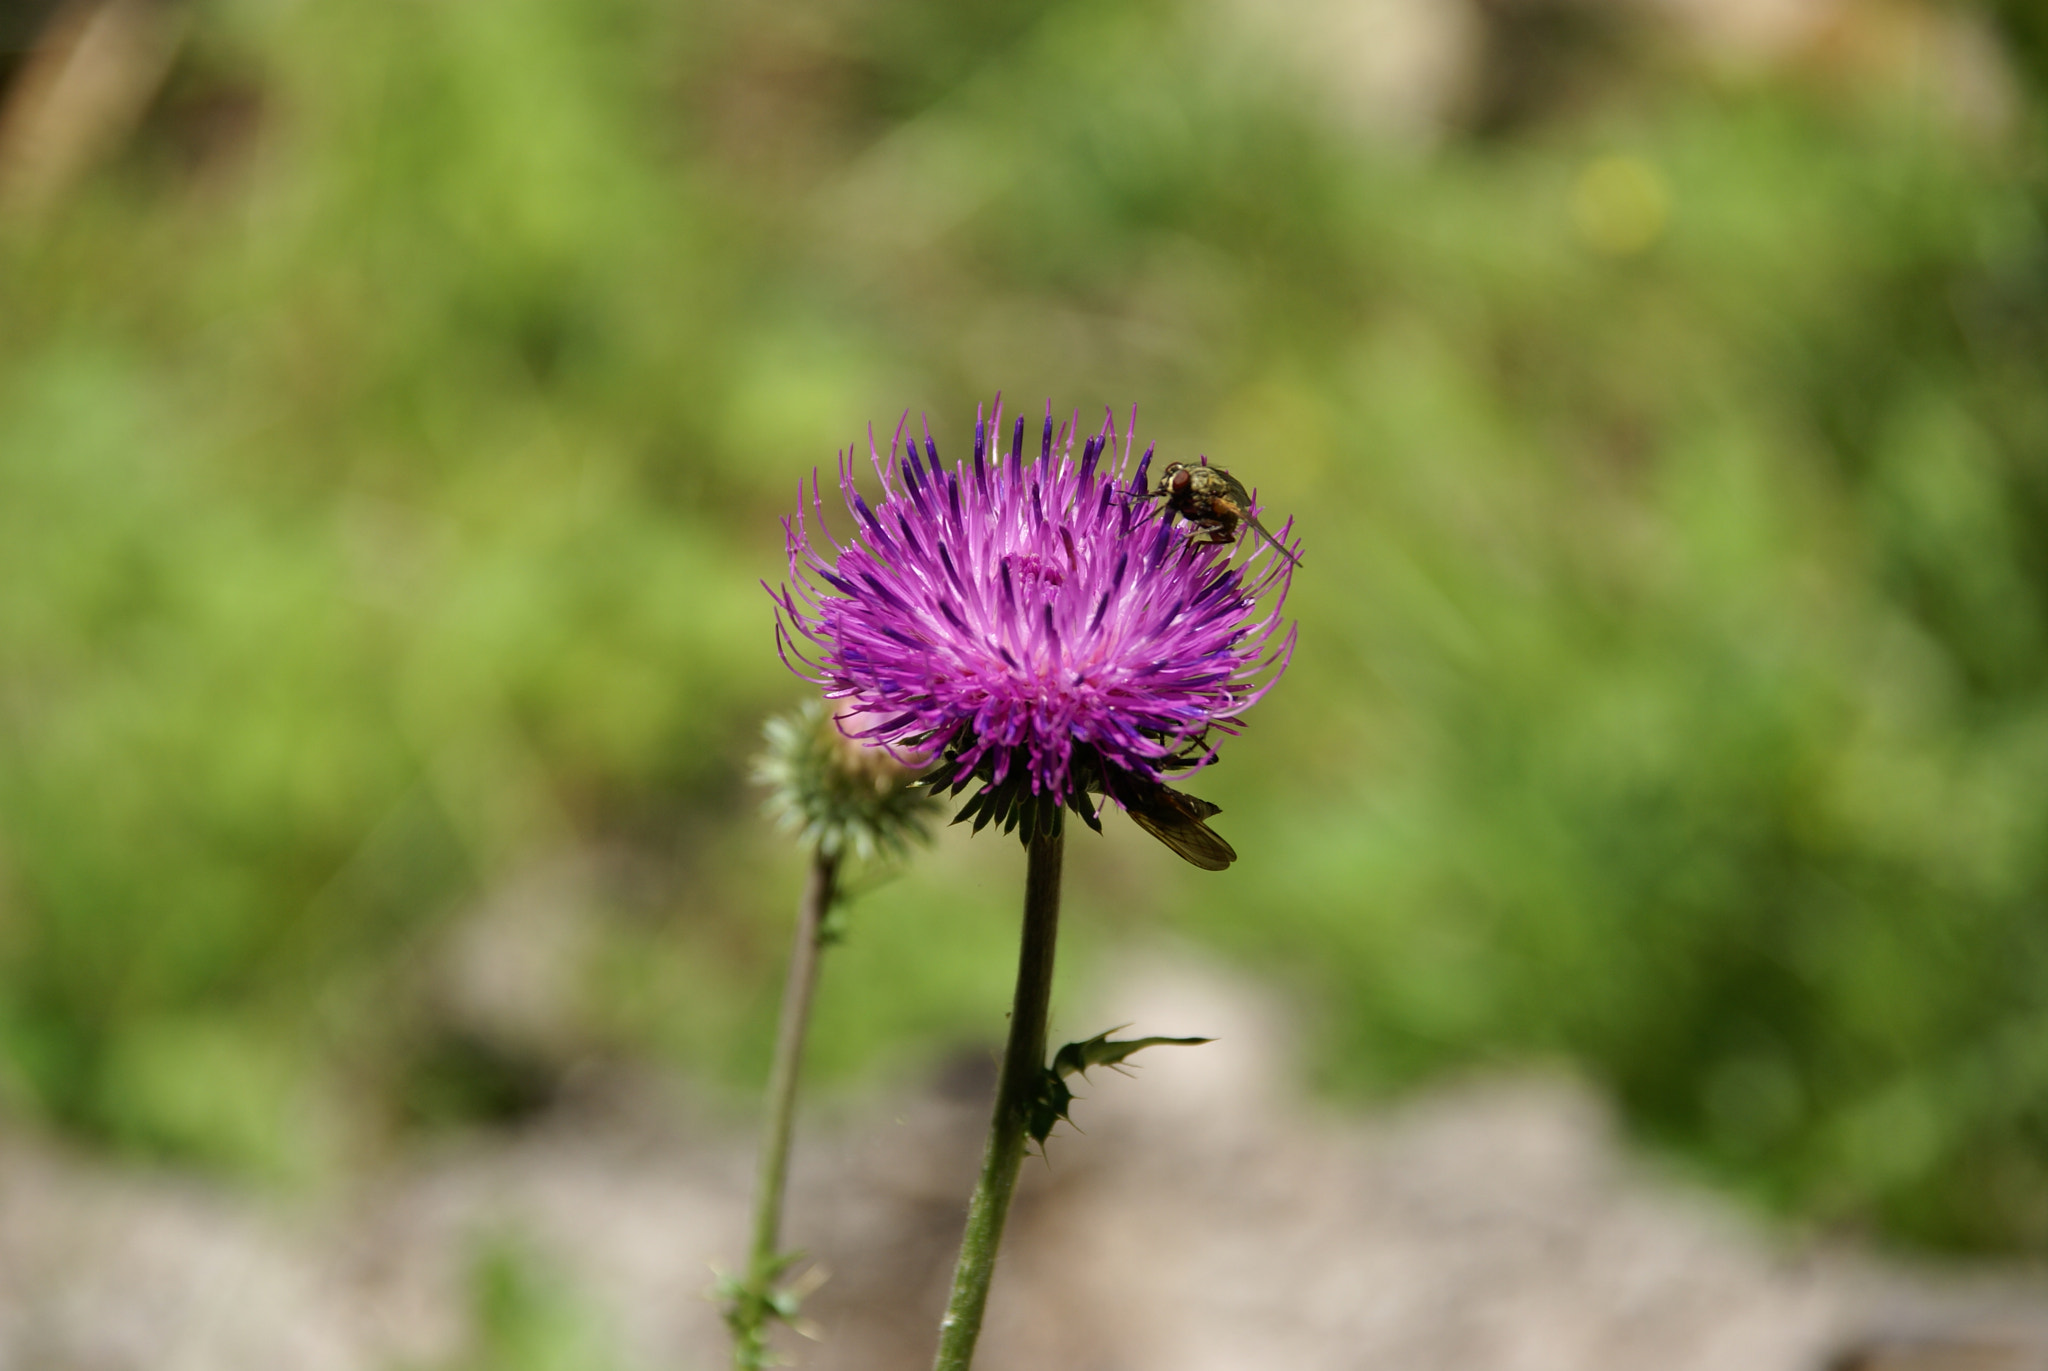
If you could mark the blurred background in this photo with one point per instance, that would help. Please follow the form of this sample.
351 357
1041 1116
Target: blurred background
398 402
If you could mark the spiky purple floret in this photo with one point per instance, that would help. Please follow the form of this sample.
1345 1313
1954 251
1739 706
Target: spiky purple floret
1036 625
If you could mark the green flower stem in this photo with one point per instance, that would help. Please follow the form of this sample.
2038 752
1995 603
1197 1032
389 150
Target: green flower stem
1017 1087
753 1306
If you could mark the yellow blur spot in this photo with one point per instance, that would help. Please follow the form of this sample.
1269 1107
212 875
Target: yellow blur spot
1620 205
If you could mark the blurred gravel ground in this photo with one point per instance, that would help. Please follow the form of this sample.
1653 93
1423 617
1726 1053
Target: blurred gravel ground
1210 1217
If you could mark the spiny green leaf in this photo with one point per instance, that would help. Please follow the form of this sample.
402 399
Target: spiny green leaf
1101 1050
1053 1099
1049 1107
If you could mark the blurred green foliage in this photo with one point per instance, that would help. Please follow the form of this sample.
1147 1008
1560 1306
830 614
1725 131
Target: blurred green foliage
522 1316
393 435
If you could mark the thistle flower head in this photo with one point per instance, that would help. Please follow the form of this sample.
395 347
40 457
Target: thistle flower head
843 796
1036 624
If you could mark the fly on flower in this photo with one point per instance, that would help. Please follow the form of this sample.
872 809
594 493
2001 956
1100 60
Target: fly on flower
1214 501
1179 820
1035 628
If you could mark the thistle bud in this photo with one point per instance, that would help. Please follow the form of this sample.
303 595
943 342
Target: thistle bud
842 796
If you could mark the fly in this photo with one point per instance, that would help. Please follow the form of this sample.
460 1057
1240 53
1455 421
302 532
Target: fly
1214 501
1179 820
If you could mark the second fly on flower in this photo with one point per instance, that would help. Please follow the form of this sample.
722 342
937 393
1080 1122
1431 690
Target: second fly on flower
1214 501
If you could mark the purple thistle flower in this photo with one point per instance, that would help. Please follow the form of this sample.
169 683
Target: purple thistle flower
1037 625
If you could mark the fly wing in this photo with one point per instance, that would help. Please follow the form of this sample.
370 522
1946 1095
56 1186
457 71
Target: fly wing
1242 498
1232 487
1260 529
1194 840
1177 820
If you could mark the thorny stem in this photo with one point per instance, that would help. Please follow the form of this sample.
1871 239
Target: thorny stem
753 1308
1016 1087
